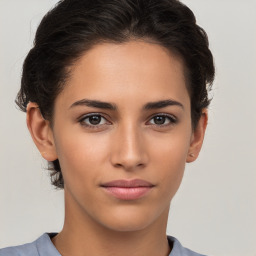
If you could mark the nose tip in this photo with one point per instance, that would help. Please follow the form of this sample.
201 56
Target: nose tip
129 162
129 151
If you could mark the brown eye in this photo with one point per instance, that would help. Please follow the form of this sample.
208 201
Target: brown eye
159 119
93 120
163 120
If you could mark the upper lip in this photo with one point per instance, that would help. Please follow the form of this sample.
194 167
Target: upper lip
128 183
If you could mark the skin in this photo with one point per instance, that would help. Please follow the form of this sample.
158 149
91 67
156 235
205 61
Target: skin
128 143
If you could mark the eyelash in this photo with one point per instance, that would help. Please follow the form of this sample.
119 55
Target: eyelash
172 120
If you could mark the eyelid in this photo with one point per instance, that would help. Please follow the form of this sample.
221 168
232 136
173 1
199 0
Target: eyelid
164 114
83 116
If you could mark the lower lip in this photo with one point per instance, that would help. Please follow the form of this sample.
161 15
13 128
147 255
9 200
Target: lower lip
127 193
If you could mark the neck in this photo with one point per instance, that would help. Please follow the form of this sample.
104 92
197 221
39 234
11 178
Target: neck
82 236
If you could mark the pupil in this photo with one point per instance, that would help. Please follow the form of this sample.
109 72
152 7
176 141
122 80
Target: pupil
95 119
159 119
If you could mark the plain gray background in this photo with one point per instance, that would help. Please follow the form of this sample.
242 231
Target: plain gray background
214 210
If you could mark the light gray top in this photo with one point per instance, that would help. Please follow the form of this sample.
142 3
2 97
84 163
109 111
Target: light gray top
43 246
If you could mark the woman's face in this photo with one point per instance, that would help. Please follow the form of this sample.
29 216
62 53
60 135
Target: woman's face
124 114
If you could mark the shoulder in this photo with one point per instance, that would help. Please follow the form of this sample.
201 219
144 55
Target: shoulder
28 249
41 246
179 250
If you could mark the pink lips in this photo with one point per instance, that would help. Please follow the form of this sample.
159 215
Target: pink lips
128 189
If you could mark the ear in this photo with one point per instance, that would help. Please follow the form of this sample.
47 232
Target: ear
41 132
197 137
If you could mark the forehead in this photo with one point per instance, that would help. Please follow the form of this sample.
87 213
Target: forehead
134 70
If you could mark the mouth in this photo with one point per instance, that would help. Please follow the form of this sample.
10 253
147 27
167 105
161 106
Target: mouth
128 189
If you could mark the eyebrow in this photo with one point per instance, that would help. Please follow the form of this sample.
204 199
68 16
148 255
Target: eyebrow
162 104
111 106
94 104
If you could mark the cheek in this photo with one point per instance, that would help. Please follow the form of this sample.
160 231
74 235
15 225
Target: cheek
172 178
80 156
170 156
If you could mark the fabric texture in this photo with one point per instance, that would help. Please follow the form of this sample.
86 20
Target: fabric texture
43 246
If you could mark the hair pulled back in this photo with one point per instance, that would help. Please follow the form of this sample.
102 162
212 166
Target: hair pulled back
73 27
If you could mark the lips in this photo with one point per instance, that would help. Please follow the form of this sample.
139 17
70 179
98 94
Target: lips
128 189
128 183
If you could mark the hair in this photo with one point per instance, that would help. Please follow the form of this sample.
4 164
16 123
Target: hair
73 27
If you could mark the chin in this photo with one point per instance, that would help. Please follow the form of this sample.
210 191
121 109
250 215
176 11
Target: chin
125 226
128 220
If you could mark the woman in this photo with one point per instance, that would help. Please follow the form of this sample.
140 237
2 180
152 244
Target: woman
116 96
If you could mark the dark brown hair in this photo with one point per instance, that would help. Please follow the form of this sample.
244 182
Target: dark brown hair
72 27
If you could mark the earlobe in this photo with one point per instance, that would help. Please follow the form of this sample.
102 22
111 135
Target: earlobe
197 137
41 132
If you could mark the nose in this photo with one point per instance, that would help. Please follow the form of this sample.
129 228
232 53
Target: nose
129 149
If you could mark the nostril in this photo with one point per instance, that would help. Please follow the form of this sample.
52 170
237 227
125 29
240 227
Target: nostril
129 166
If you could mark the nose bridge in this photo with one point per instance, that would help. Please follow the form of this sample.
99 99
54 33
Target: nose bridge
129 150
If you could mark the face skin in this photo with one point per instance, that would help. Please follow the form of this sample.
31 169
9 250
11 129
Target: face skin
130 142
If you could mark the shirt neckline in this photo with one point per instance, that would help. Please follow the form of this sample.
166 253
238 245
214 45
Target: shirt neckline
174 244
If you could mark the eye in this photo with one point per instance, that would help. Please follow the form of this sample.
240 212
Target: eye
93 120
163 120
